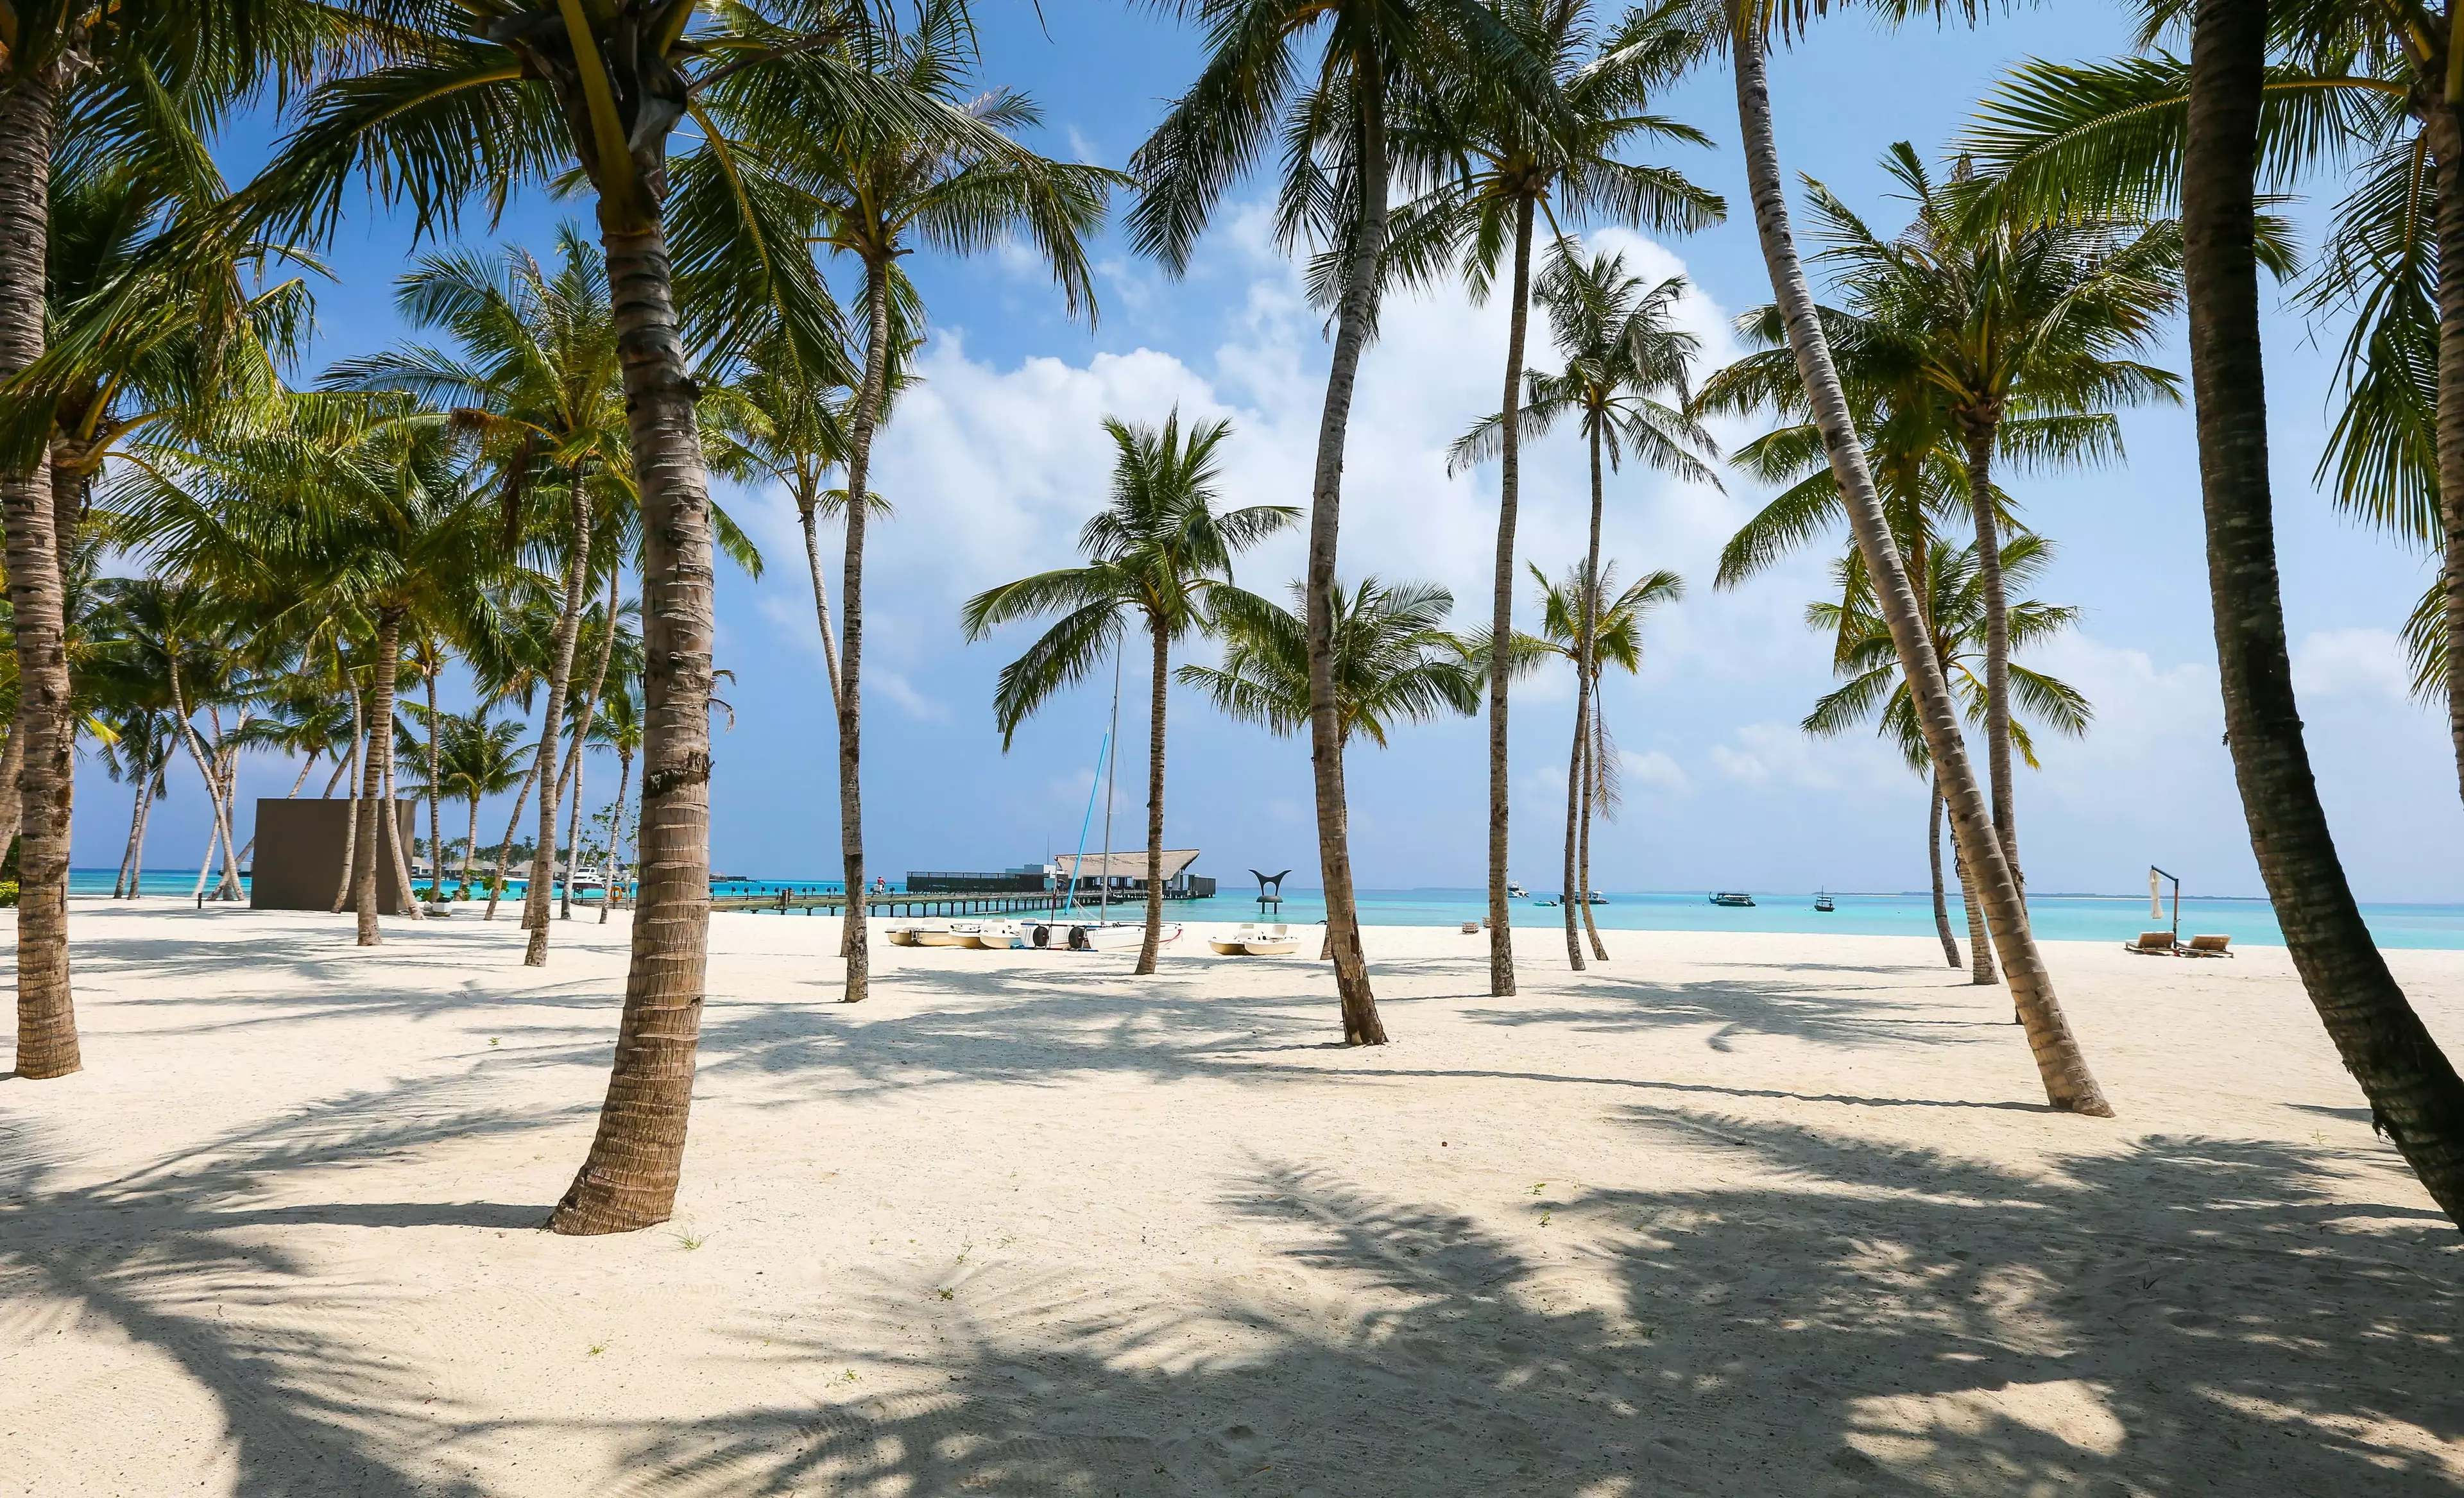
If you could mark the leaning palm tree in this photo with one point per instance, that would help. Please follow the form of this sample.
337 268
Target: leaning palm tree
2024 331
620 728
1581 623
882 188
1625 365
2414 1093
1316 81
1501 166
1158 549
1959 610
2060 1063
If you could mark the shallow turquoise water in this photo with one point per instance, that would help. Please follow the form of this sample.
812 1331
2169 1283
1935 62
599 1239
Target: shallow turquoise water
2058 917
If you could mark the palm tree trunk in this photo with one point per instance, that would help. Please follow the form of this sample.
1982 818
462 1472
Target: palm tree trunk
505 849
1933 855
1997 646
392 821
1587 677
637 1157
47 1038
373 775
852 943
2414 1093
616 835
581 736
470 848
572 834
358 759
559 677
137 865
1152 947
1578 771
1591 757
436 792
227 786
1361 1026
805 509
2444 125
1980 943
12 759
136 815
205 763
2060 1063
1509 494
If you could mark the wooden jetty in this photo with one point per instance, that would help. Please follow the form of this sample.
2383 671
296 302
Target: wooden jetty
894 903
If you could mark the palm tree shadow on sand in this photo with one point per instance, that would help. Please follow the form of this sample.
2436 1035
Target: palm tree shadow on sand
2186 1315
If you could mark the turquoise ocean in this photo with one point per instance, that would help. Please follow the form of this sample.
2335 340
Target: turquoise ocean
2058 917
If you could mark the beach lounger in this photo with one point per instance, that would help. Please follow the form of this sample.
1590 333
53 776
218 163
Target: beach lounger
2157 943
2207 947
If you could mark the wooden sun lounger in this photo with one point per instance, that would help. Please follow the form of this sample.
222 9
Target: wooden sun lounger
2208 946
2157 943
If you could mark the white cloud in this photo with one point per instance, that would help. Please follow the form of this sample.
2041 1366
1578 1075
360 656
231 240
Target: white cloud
1654 770
2334 665
1783 753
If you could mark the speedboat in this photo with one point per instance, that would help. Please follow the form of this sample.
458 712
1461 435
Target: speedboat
1595 897
1253 938
1733 897
1516 892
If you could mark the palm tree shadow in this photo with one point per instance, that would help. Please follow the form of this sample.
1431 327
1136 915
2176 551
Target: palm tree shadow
2184 1315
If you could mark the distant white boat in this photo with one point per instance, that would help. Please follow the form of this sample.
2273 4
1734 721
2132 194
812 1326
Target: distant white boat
1516 892
996 935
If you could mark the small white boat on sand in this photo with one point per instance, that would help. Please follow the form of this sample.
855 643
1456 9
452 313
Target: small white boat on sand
993 936
1253 938
905 936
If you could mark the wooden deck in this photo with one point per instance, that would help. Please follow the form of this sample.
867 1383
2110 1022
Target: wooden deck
895 903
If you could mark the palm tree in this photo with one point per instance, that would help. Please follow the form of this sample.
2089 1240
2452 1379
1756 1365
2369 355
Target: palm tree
129 83
1499 166
2415 1095
1591 631
2004 320
538 377
1316 80
1958 610
1159 548
620 728
477 757
1624 361
471 100
2059 1062
881 188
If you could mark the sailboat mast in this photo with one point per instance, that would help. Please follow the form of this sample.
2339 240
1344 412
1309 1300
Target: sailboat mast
1112 734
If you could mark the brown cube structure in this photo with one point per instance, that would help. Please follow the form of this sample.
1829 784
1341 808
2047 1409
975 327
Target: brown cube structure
298 859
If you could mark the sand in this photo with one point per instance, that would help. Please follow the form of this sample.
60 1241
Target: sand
1734 1213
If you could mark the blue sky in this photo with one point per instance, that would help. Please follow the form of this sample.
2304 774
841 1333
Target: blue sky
996 457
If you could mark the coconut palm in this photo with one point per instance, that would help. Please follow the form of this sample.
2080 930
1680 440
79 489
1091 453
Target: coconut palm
1158 549
1499 168
2003 321
469 100
1626 364
620 728
2414 1093
883 188
139 751
1316 80
477 757
86 84
536 377
1749 26
1958 608
1592 633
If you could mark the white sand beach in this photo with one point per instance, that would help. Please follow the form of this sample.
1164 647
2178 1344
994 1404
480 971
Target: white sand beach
1731 1214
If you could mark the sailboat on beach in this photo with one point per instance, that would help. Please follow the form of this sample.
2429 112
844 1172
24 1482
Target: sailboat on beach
1103 934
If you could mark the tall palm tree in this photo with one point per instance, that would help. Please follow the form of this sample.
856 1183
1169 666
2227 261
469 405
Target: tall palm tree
537 376
882 188
2003 319
703 247
2415 1095
1317 79
477 757
2060 1063
1625 361
84 82
1499 168
1158 549
1959 612
1591 631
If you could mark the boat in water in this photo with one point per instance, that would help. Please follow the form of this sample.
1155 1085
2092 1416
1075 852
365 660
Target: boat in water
1255 939
1516 892
1733 897
1822 902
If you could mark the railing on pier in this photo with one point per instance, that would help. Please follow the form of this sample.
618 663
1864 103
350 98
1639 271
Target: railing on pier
930 903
